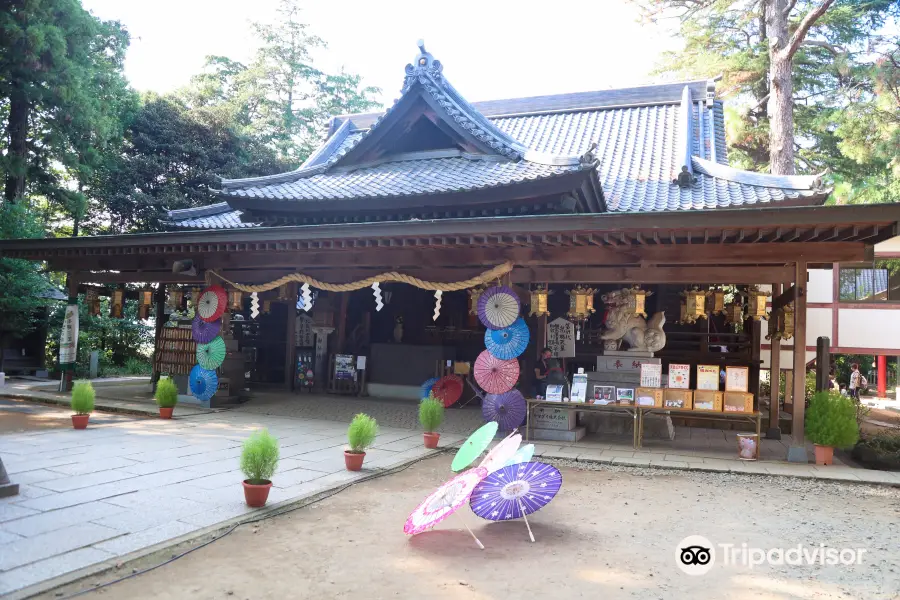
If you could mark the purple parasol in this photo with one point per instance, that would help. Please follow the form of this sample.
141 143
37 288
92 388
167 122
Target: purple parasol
508 409
498 307
515 491
204 332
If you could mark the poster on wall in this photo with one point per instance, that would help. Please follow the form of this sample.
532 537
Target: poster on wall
68 338
651 375
680 376
604 394
708 377
344 367
554 393
561 338
579 387
303 332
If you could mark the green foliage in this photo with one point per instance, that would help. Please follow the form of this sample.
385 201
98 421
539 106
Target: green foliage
831 420
166 393
361 433
259 458
83 397
431 413
885 443
20 280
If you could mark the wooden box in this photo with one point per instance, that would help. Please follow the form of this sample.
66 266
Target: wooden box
678 399
707 401
738 402
649 397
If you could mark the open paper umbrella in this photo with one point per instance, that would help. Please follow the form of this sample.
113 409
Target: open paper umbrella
522 455
210 356
498 307
501 453
474 446
204 332
508 409
508 342
212 303
443 502
448 389
426 387
203 383
515 491
494 375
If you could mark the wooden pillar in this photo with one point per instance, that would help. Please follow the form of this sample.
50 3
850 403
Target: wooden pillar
823 364
342 323
774 430
290 342
797 451
160 317
65 384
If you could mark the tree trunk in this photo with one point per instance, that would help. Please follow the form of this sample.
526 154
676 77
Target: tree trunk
17 135
781 102
762 90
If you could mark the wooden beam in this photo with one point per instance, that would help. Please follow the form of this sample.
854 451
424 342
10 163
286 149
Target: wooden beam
782 300
342 321
797 451
140 277
737 275
774 431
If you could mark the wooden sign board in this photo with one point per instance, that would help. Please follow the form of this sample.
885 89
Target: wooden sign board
708 377
561 338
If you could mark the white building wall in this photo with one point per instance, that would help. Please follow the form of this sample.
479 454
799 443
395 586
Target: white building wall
821 285
869 328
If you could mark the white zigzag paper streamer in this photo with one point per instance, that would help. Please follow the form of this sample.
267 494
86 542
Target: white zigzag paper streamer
437 304
254 305
376 287
306 295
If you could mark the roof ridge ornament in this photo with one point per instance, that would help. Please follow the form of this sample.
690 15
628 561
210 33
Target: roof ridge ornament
424 65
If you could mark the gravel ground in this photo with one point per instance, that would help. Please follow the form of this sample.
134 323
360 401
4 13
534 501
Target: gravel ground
612 532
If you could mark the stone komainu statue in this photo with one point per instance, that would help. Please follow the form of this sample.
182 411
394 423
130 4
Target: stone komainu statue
622 324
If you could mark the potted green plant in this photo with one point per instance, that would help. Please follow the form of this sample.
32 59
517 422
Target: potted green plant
361 433
831 423
82 403
431 415
166 397
259 458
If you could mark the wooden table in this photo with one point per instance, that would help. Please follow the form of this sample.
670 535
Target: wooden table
702 415
533 403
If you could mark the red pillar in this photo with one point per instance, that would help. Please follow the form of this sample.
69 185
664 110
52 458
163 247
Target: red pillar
882 376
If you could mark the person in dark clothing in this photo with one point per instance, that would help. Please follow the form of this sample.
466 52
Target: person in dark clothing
541 371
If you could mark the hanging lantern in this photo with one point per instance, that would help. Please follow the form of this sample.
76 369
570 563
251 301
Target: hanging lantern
266 306
717 301
175 299
92 300
695 304
756 303
581 303
146 301
474 296
640 301
682 313
284 292
774 328
786 322
539 298
235 299
734 312
117 303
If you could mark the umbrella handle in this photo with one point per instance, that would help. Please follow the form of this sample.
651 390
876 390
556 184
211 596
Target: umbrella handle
477 541
524 516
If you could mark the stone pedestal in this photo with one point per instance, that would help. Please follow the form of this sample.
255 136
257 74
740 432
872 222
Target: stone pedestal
6 487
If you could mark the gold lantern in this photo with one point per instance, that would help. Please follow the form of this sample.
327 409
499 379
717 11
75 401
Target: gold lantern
786 322
146 301
695 304
640 301
92 299
176 298
682 313
284 292
539 299
756 303
717 301
734 312
195 296
235 299
266 306
474 296
581 303
117 303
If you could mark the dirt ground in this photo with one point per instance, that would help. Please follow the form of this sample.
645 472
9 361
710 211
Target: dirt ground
609 533
18 416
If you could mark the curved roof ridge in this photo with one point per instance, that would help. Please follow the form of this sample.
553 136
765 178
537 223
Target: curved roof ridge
193 212
788 182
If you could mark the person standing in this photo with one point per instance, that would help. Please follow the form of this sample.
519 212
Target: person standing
541 371
855 380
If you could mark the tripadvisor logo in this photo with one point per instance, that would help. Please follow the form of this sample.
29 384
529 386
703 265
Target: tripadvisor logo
696 555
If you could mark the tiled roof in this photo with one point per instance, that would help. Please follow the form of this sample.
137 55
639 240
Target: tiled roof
214 216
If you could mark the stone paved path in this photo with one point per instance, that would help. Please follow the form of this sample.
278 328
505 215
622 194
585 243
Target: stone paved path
128 483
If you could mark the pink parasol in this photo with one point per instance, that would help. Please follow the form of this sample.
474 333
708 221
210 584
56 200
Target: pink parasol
501 453
494 375
444 501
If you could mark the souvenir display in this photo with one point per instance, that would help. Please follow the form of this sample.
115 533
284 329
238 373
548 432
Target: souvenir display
679 376
680 399
649 397
708 400
604 394
625 395
738 402
737 379
651 375
579 388
708 377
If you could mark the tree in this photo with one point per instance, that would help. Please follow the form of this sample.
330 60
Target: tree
795 60
61 90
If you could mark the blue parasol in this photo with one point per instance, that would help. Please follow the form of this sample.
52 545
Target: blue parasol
509 342
203 383
426 387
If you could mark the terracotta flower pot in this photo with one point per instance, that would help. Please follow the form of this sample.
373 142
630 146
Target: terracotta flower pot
166 413
824 454
431 439
354 460
80 421
256 495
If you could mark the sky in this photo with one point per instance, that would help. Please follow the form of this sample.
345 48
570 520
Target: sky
490 49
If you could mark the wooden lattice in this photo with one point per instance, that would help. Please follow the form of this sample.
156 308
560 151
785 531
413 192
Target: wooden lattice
176 353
